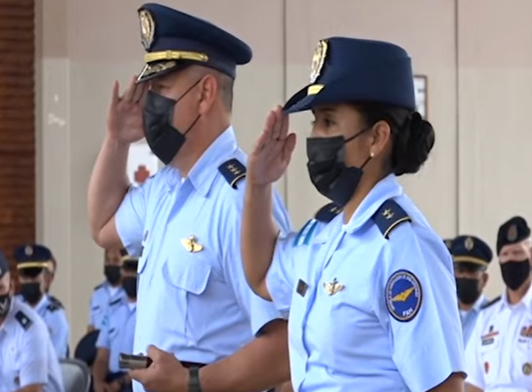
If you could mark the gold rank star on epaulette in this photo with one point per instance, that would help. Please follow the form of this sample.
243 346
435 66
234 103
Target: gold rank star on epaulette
389 216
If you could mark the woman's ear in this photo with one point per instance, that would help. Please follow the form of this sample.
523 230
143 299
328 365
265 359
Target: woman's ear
381 134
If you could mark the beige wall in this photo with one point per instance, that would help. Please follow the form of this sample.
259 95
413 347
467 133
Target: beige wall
475 53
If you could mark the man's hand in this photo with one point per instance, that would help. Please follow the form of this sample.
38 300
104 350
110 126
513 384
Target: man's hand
165 374
124 121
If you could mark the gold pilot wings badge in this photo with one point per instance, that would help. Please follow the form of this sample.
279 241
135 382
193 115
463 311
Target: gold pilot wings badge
331 288
191 244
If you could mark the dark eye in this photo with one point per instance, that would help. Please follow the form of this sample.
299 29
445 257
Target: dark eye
327 122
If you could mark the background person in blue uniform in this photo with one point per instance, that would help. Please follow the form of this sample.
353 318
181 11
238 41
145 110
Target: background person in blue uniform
193 299
108 291
32 260
117 335
28 362
372 297
49 275
471 257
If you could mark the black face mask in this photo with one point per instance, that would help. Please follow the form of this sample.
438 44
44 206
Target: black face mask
112 274
327 169
5 304
514 273
468 290
129 284
31 292
164 139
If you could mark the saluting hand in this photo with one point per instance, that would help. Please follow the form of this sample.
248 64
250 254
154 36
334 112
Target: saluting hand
272 152
124 121
165 374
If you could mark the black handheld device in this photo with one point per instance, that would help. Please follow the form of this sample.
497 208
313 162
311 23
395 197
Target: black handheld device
129 361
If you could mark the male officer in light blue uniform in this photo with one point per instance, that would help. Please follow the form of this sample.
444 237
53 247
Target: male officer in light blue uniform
108 291
371 295
471 257
117 334
193 299
27 358
32 260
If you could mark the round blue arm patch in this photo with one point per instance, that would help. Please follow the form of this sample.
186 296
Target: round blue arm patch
403 295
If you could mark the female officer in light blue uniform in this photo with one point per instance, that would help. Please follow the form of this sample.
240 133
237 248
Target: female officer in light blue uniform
371 294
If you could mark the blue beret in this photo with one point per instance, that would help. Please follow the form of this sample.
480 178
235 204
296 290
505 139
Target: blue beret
512 231
471 250
173 39
32 256
4 264
357 70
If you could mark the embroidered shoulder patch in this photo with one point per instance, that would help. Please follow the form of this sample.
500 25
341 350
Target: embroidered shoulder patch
403 295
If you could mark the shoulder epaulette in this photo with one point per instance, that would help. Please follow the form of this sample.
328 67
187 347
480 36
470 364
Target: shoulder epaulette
23 320
327 213
98 287
492 302
56 302
52 307
389 216
233 171
116 301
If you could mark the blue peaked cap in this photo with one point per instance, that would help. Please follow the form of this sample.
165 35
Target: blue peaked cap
471 250
357 70
173 40
32 256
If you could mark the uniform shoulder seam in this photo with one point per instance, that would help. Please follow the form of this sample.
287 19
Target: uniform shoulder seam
490 303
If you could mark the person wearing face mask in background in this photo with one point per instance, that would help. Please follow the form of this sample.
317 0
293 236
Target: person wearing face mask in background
108 291
28 361
193 299
116 335
32 260
49 275
471 257
498 355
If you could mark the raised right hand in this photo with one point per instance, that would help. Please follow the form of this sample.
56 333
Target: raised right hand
270 158
124 121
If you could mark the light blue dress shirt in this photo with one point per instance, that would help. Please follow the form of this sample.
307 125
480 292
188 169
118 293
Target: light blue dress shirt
56 321
369 312
27 356
198 304
469 318
118 331
101 297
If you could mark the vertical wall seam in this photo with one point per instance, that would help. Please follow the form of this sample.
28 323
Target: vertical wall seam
457 100
284 81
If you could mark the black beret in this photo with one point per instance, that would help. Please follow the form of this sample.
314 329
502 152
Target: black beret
512 231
